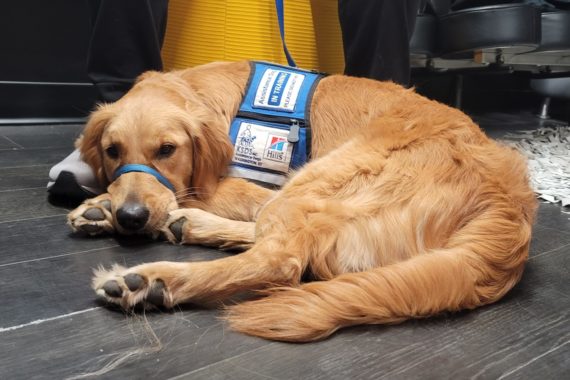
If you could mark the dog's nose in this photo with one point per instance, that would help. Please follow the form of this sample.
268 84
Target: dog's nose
132 216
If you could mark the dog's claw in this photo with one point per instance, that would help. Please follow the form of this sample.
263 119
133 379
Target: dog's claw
176 228
112 289
134 281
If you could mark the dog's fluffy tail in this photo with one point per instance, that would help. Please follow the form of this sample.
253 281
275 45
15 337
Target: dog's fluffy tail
480 263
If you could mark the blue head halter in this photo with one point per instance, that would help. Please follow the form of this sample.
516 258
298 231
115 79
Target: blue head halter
143 169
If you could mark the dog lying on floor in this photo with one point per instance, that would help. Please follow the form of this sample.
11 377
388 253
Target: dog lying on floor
406 209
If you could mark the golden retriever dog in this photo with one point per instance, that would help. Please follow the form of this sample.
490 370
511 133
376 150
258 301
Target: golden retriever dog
406 209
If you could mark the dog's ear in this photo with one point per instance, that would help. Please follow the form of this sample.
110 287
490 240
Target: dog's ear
212 152
89 144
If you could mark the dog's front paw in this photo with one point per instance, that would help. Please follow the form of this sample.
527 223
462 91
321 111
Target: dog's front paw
185 226
93 216
195 226
132 287
173 229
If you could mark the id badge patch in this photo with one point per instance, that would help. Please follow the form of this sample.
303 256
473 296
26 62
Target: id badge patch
278 90
262 146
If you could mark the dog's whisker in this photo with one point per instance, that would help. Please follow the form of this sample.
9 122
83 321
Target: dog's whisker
189 193
192 192
189 190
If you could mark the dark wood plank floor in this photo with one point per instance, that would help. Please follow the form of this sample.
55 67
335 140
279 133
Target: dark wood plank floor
52 328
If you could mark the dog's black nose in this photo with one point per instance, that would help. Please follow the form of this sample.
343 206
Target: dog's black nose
132 216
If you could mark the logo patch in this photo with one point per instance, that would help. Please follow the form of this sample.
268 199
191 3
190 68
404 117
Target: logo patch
244 151
277 149
262 146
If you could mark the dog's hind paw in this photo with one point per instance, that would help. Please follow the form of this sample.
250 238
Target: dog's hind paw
93 217
127 288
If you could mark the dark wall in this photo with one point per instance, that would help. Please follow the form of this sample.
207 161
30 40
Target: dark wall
43 49
488 91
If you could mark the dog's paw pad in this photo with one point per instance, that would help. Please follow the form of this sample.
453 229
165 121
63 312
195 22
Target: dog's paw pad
93 217
92 229
94 214
128 290
156 294
106 204
134 281
112 289
176 228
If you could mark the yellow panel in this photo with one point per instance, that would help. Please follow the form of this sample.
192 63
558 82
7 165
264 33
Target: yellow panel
328 38
201 31
194 34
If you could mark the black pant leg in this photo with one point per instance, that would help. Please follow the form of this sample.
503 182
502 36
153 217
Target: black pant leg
376 37
126 40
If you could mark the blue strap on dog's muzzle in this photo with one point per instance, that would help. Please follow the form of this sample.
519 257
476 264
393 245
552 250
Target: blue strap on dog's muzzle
143 169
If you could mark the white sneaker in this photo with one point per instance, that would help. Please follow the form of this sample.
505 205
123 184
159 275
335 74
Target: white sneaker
73 178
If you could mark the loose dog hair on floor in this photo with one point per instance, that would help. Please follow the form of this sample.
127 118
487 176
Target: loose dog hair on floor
406 210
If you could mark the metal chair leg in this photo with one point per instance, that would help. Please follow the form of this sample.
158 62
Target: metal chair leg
544 108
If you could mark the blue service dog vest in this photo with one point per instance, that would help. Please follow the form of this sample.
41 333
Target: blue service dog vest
271 132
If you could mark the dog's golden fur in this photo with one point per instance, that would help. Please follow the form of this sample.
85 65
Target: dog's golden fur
406 210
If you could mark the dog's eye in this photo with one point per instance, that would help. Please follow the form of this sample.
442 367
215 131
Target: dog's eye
112 151
166 150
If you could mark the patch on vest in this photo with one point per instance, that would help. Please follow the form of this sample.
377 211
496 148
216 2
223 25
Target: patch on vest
278 90
263 147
